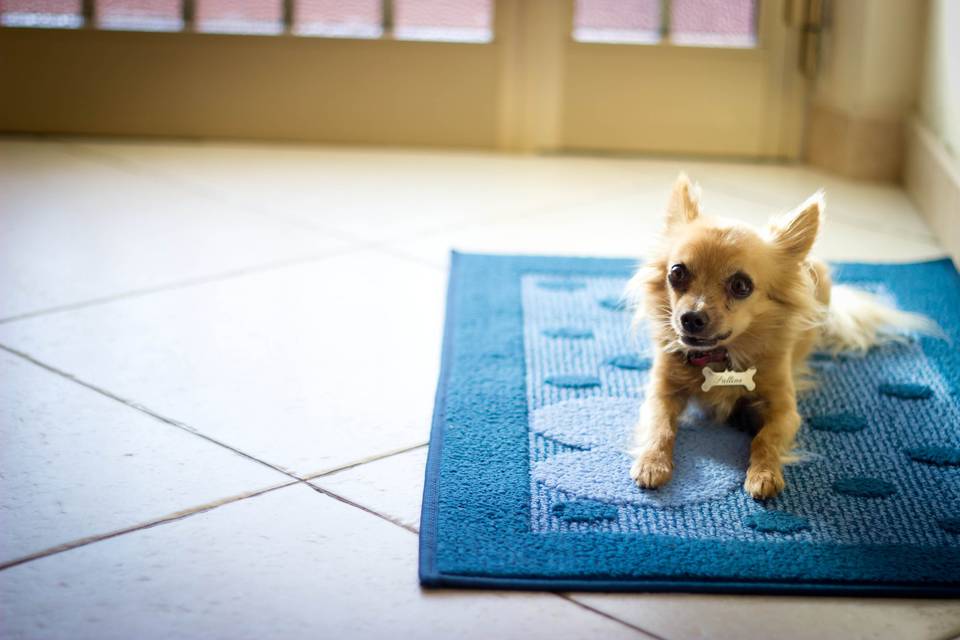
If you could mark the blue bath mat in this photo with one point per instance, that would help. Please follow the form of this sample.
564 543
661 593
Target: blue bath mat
527 483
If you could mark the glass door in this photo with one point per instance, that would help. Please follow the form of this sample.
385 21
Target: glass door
706 77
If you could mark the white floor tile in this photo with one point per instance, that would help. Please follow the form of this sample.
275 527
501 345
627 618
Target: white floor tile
844 242
683 617
74 463
780 187
878 206
73 230
291 563
627 225
377 194
383 194
308 367
392 486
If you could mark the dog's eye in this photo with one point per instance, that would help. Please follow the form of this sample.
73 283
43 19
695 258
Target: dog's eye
679 276
740 285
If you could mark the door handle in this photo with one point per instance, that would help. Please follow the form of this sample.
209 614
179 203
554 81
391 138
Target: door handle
811 27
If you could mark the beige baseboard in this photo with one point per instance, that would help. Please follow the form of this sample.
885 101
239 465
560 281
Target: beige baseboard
932 178
853 146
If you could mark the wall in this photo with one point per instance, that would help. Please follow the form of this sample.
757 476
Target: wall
939 100
282 87
865 87
932 172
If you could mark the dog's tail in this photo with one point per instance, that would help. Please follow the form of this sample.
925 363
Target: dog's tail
857 320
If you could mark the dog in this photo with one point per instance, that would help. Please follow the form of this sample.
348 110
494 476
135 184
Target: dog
722 296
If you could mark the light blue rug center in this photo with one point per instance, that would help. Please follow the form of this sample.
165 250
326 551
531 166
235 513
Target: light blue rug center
585 374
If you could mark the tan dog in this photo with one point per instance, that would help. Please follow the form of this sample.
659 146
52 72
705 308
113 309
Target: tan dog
724 296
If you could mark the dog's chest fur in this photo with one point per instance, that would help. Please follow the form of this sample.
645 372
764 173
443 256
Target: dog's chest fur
720 401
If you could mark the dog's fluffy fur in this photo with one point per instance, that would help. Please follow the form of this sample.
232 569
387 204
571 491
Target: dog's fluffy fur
702 268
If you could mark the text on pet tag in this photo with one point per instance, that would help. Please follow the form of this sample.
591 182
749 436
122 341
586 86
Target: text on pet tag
728 378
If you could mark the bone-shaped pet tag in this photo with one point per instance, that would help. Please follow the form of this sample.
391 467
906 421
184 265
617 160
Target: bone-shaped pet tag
728 378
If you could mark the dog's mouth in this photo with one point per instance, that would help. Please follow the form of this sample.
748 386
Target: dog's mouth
704 343
703 358
706 350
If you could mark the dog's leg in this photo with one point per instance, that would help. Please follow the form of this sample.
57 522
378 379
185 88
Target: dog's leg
654 436
772 442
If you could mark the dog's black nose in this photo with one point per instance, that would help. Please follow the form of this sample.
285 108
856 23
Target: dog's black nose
694 322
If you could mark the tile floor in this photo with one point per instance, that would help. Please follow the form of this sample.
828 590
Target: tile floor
218 364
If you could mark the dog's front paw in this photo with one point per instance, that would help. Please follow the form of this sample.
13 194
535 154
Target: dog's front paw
763 482
651 470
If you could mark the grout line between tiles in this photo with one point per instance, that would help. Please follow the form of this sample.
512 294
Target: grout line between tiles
352 465
396 252
220 277
185 427
572 600
386 246
141 408
295 479
209 506
416 531
184 284
357 505
172 517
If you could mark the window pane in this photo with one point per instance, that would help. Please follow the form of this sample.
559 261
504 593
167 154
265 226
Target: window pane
450 20
239 16
339 18
719 23
41 13
625 21
140 15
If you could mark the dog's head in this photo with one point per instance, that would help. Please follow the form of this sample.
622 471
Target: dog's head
717 283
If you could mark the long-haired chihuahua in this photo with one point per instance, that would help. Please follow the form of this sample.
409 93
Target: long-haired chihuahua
733 313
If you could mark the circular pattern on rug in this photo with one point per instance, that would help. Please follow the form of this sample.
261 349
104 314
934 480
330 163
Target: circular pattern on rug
864 487
568 332
573 381
838 422
710 461
939 456
776 522
906 391
584 511
631 362
561 285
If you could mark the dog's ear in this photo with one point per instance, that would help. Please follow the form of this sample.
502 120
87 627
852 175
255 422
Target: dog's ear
684 205
795 233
